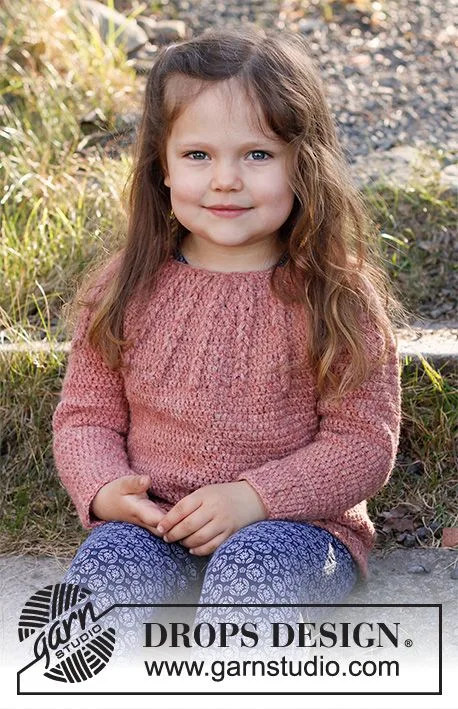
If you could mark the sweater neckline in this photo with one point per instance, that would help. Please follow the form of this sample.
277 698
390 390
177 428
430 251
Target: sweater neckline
178 257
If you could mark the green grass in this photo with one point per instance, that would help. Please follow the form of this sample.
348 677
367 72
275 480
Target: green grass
58 206
37 515
59 211
425 476
418 232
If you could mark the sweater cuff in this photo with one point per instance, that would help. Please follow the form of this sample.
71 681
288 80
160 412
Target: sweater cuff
261 492
274 498
84 502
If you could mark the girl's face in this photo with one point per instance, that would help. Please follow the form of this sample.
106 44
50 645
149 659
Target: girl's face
216 154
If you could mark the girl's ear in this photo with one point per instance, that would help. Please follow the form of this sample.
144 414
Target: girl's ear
166 180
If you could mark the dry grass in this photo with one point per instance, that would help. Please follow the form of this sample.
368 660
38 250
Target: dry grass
60 209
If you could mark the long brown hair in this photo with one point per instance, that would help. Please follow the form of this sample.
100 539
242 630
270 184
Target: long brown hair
335 264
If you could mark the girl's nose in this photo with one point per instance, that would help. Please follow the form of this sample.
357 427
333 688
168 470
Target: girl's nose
226 176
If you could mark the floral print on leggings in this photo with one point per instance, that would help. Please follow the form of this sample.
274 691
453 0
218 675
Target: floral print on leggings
267 562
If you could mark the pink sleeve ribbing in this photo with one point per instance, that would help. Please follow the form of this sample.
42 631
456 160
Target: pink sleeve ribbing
350 458
90 425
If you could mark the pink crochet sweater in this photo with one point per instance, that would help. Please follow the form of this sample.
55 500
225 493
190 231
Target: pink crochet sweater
211 395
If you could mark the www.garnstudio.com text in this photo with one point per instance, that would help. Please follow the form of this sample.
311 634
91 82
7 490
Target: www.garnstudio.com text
316 666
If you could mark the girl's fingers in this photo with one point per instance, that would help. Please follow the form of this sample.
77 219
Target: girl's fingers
210 547
140 523
153 530
203 535
148 512
190 524
182 510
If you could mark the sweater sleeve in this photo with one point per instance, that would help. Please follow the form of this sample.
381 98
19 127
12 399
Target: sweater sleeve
351 456
90 424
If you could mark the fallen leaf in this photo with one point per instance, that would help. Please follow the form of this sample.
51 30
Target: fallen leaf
449 537
399 519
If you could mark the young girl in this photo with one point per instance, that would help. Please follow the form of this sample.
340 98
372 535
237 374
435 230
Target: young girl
232 396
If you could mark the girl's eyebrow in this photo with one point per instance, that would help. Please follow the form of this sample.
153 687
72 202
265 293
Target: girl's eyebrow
244 146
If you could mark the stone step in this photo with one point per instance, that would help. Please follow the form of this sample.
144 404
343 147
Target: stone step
435 341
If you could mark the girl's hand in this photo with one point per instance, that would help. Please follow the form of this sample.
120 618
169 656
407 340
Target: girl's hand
125 500
209 515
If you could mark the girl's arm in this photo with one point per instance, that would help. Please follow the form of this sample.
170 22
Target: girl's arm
350 458
90 425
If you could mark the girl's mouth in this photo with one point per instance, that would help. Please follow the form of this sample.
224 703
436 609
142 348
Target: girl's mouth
227 212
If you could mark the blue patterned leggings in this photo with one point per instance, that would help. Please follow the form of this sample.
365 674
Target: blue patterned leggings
271 561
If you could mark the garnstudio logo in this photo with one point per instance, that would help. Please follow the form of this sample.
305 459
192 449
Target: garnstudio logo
69 636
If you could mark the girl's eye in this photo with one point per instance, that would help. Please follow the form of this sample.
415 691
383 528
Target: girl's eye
201 152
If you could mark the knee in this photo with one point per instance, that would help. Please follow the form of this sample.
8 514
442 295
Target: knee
113 529
245 553
126 561
253 541
113 554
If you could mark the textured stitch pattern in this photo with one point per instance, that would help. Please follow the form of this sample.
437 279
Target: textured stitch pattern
212 393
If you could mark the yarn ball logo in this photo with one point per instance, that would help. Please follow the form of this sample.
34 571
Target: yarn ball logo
68 636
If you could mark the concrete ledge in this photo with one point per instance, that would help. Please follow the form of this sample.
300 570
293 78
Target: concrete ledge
431 340
435 341
14 347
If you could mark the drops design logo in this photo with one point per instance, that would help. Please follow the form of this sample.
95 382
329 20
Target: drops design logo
68 635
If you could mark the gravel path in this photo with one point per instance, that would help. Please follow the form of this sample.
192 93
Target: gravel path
389 72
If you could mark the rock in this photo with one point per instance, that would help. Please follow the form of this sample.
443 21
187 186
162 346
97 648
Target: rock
454 573
94 120
409 540
143 58
128 33
127 121
309 26
423 532
162 32
147 51
442 309
399 167
418 569
448 180
148 25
